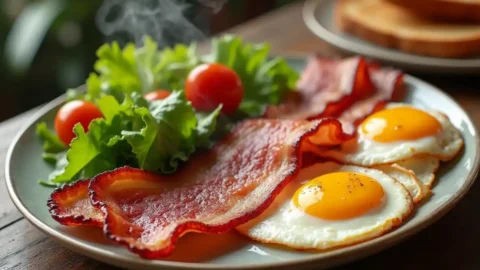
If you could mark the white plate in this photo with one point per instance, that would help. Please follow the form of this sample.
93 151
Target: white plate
24 167
318 16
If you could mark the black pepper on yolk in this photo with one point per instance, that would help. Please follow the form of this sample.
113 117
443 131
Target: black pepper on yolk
339 195
400 124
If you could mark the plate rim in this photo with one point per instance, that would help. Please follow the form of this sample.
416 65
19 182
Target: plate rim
419 62
330 258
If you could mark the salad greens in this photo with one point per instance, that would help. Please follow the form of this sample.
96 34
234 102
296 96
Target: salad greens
158 135
51 143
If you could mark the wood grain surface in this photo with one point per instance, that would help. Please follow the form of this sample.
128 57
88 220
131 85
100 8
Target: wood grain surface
451 243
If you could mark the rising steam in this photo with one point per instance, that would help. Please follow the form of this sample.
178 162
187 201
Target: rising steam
215 5
163 20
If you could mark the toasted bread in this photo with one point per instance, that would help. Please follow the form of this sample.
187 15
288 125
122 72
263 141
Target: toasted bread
446 10
388 25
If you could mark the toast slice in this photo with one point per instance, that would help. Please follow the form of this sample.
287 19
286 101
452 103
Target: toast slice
389 25
445 10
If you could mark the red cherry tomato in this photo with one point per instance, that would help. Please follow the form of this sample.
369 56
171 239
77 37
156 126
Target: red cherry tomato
157 95
209 85
74 112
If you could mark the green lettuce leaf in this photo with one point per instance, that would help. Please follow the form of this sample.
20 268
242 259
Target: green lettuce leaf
82 151
52 158
51 142
118 71
170 134
157 138
99 150
174 66
206 126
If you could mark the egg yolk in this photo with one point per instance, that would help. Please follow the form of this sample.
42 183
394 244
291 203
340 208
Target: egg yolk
400 123
339 195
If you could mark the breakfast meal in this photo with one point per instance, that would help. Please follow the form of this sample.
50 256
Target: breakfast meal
408 25
165 142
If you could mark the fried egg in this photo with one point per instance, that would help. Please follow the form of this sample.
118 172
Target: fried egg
398 132
407 178
330 205
424 168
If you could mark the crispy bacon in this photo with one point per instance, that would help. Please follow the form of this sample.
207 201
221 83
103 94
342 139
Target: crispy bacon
389 87
214 193
350 89
70 206
326 88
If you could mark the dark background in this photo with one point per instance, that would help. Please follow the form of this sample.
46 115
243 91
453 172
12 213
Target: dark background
49 46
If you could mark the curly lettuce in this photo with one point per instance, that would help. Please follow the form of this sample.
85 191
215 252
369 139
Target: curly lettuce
160 135
158 138
121 72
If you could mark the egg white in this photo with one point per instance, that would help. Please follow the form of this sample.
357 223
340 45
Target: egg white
407 178
424 168
366 152
283 223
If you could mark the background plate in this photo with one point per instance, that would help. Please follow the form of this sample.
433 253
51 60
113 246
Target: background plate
24 167
318 16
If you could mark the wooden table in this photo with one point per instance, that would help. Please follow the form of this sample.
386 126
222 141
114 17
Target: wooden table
451 243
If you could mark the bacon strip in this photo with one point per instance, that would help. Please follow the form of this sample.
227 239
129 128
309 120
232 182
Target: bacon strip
326 88
350 89
215 192
389 87
70 206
